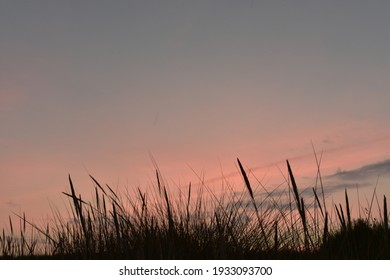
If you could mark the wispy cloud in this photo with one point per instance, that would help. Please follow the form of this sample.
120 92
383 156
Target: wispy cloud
280 199
364 172
336 187
361 177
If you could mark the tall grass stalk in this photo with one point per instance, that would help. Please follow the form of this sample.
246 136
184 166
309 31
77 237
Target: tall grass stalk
249 188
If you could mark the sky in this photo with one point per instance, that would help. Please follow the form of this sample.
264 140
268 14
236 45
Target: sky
107 87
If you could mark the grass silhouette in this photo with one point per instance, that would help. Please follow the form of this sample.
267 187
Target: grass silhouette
200 225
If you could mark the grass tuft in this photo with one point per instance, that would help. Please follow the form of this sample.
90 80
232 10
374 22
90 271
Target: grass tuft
199 224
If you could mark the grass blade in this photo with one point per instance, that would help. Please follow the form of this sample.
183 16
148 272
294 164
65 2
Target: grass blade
385 217
248 185
348 210
294 186
318 202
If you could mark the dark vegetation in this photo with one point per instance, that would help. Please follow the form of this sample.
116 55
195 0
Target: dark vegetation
198 224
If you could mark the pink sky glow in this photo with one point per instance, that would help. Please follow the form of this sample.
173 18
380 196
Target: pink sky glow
96 88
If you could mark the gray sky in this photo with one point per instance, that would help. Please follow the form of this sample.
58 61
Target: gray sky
94 86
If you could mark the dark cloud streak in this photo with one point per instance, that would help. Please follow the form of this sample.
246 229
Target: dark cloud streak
364 172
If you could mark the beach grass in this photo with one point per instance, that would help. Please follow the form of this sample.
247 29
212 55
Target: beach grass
200 224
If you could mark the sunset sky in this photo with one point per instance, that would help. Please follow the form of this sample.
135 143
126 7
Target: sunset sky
98 87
